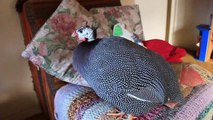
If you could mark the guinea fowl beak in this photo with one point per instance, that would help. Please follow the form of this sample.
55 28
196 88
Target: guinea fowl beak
74 34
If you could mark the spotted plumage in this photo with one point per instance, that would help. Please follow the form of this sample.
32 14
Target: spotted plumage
127 75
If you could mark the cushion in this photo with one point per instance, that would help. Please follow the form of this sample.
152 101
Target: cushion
52 46
128 15
78 102
193 75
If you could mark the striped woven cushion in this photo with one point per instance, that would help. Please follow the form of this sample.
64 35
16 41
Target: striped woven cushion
81 103
74 102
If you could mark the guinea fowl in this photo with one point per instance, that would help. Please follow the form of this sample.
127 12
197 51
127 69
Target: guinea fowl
132 78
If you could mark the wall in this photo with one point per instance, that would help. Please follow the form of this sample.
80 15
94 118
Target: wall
17 96
153 15
185 16
210 9
174 20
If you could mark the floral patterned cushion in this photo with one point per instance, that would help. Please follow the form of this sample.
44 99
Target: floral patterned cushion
128 15
52 46
193 75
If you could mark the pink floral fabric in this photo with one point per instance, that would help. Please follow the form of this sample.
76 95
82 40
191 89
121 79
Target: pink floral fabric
193 75
51 48
128 15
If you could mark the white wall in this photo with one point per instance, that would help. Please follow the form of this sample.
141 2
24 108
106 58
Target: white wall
153 15
17 96
185 16
210 9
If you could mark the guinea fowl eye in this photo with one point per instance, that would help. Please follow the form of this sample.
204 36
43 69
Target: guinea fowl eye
80 31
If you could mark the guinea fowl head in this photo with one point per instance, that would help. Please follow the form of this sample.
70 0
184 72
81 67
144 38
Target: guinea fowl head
84 34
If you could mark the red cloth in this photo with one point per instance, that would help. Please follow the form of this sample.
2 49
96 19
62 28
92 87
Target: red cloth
170 53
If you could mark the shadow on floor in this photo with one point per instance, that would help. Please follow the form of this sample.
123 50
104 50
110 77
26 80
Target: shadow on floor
39 116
